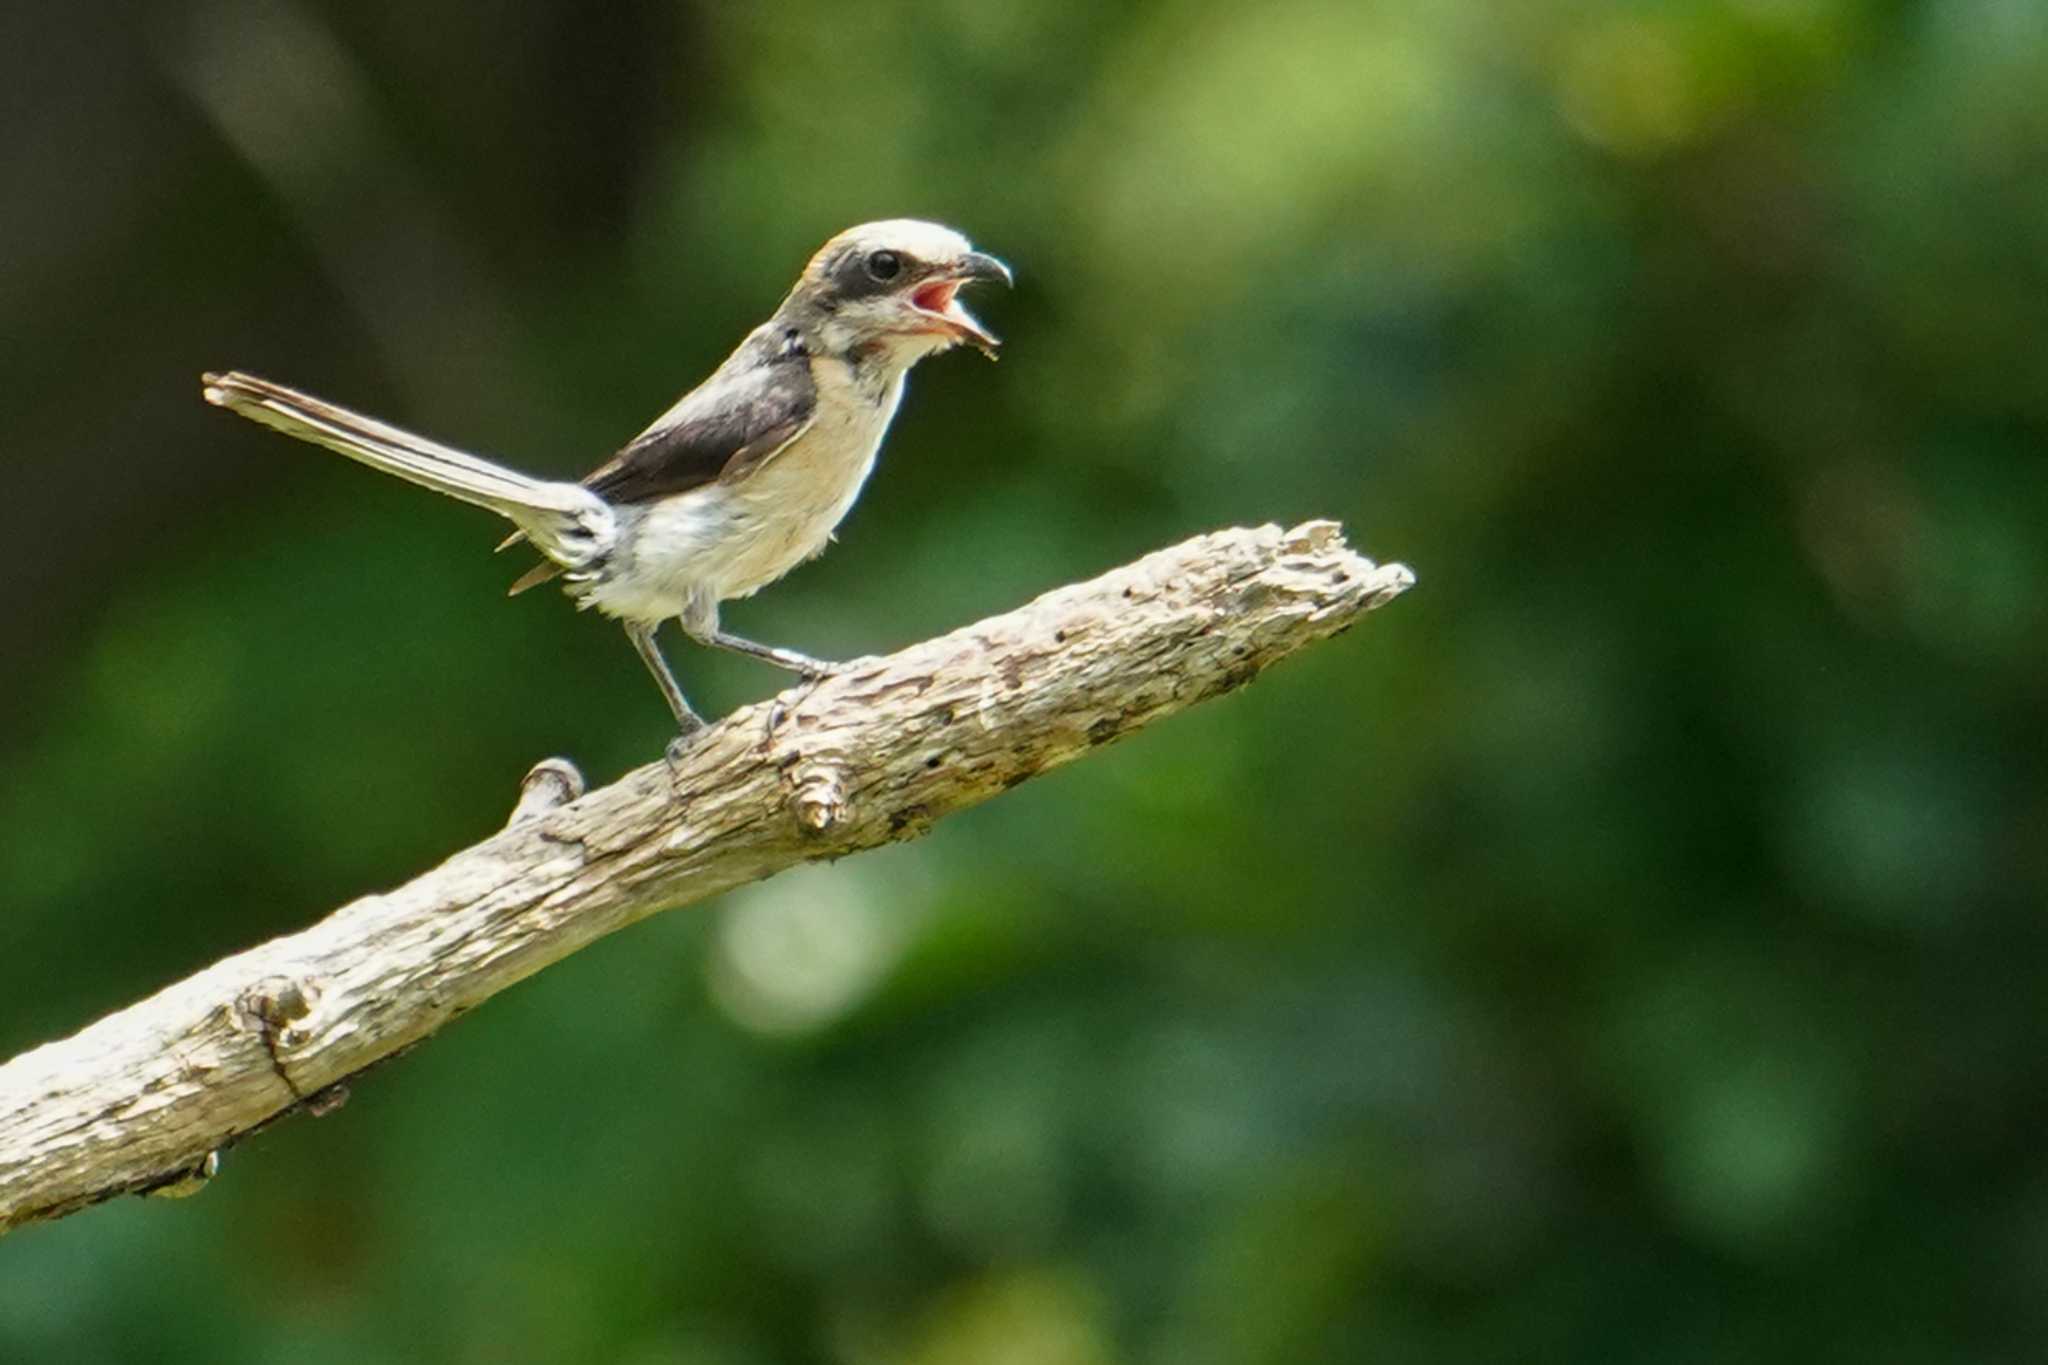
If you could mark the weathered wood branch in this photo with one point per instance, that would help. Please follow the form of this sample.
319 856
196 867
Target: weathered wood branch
145 1099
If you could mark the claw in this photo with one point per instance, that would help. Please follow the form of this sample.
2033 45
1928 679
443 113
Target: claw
679 748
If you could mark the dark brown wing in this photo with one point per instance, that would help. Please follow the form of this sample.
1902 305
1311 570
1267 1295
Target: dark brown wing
754 405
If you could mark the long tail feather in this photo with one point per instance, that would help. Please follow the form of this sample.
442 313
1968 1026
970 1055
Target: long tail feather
534 577
565 521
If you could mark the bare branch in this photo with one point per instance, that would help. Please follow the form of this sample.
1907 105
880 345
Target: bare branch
145 1099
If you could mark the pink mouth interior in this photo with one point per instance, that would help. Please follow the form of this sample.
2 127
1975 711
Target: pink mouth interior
936 297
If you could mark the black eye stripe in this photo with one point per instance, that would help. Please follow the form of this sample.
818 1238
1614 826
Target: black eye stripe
851 274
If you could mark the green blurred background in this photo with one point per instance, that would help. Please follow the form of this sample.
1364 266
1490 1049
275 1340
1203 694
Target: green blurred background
1628 946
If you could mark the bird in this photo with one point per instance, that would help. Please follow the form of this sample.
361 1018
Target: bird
742 479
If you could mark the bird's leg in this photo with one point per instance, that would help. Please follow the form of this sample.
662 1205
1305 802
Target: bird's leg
687 721
802 664
700 623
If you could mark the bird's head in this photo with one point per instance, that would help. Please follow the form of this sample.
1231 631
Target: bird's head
890 288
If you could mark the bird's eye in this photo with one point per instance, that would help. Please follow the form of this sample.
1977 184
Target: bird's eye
884 265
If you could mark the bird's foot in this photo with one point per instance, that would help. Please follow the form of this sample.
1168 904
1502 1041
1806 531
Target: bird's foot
813 670
679 748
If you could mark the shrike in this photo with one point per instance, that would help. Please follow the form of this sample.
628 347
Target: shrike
739 482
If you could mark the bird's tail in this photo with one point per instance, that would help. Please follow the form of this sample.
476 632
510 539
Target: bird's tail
565 521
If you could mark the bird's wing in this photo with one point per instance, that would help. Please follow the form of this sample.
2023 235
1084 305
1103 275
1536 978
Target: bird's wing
723 428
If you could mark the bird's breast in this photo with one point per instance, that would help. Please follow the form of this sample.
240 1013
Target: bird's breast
784 511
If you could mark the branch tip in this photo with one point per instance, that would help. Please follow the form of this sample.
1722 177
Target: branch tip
549 783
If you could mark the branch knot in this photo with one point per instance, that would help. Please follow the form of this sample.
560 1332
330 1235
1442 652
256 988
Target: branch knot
819 796
275 1007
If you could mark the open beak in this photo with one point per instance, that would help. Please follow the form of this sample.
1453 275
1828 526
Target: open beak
937 298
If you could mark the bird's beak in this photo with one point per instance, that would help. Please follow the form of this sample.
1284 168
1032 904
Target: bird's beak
979 265
937 298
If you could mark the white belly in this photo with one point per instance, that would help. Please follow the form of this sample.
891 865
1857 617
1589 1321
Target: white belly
730 539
